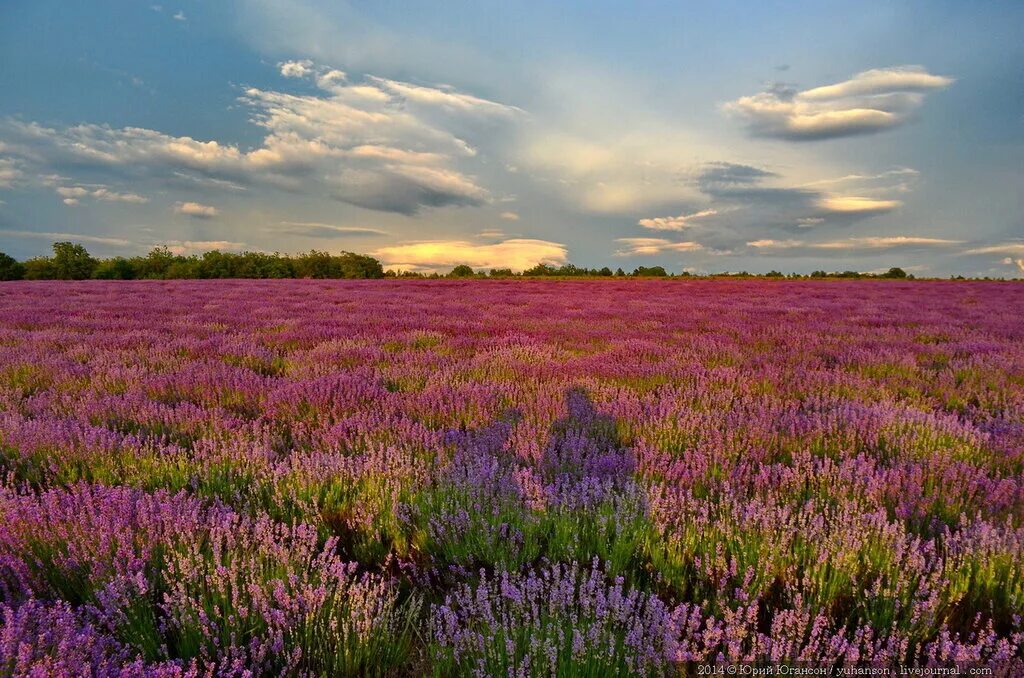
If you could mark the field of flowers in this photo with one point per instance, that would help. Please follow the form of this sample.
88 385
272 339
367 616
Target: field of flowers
594 478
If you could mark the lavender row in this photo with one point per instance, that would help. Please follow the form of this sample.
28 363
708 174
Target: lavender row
521 478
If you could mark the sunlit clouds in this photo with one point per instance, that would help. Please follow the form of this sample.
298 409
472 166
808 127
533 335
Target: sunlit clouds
871 101
517 254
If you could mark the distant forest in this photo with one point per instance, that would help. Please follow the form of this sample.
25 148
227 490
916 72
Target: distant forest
71 261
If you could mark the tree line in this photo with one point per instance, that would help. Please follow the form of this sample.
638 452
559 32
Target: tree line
71 261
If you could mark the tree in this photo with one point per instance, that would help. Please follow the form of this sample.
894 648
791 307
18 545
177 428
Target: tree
40 268
154 264
605 272
10 269
540 270
461 271
619 272
71 261
895 272
649 272
117 268
354 265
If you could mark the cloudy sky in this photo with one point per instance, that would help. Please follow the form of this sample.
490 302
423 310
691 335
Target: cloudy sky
702 136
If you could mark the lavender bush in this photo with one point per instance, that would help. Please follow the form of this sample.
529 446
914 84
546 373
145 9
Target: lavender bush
607 477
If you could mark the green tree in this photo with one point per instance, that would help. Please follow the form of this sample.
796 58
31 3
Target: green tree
353 265
40 268
540 270
461 271
650 271
71 261
895 272
117 268
155 264
10 268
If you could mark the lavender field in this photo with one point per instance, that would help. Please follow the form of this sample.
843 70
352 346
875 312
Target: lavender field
508 478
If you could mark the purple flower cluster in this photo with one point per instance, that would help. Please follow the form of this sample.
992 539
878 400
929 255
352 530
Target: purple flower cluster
347 477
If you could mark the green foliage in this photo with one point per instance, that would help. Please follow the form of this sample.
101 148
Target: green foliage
10 269
71 261
117 268
40 268
894 272
650 271
461 271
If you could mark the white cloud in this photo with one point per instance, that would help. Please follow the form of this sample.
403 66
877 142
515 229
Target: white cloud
840 204
677 223
72 195
378 144
628 171
651 246
296 69
999 248
444 97
517 254
868 102
75 237
180 16
196 210
313 229
509 216
866 243
880 81
209 182
9 172
1019 263
187 247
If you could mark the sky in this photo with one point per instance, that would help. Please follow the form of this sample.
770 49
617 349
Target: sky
699 136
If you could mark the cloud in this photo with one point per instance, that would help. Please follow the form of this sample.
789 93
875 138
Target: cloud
635 170
870 101
999 248
180 16
196 210
674 223
1019 263
861 244
509 216
858 205
75 237
187 247
9 172
378 144
73 194
318 230
517 254
443 96
748 197
296 69
651 246
208 182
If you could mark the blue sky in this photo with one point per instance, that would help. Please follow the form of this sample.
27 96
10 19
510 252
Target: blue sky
698 136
